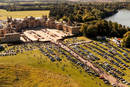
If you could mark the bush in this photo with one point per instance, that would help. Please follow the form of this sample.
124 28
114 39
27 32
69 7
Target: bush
126 40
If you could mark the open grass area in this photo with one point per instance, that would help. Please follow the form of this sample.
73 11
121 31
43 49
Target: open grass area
84 38
45 73
24 76
21 14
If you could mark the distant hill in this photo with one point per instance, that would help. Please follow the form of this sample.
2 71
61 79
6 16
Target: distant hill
32 0
66 0
102 0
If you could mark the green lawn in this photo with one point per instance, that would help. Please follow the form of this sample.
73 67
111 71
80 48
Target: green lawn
21 14
25 76
35 59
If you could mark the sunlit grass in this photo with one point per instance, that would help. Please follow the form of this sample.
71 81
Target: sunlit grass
35 59
25 76
21 14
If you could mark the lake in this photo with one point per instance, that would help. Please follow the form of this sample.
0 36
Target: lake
122 17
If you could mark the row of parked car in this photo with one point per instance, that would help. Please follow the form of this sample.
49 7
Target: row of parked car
110 54
114 56
114 72
15 49
50 50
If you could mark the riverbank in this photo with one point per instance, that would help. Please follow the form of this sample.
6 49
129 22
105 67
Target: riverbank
110 14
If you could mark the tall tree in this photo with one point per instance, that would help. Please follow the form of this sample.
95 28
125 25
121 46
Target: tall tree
126 40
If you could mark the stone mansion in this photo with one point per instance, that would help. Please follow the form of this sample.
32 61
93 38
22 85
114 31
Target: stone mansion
13 28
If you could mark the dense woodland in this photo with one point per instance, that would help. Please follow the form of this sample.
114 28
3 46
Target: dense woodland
91 17
103 28
83 12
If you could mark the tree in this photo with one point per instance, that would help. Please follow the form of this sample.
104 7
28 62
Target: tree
122 30
78 18
126 40
92 31
71 17
83 29
65 18
110 28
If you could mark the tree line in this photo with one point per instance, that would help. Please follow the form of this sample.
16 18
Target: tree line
91 16
103 28
84 12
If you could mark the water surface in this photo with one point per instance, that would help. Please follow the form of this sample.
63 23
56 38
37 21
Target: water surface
122 17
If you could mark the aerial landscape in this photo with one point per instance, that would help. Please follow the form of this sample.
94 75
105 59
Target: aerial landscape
64 43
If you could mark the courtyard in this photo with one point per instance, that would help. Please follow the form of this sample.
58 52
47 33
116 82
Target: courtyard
44 35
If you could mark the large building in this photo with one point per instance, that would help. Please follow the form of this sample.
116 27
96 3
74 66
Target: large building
13 28
71 29
10 37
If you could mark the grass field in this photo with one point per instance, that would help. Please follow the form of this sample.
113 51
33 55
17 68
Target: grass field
21 14
23 76
37 69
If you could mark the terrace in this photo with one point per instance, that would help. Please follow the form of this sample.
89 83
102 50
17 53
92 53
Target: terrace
44 35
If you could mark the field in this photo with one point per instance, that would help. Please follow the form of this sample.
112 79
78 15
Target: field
21 14
42 71
23 76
